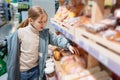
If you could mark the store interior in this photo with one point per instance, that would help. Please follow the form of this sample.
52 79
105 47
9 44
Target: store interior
91 26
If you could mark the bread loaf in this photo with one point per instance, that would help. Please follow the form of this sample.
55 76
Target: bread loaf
71 64
57 55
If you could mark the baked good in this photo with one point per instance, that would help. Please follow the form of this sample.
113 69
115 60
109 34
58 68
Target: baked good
112 35
57 55
110 23
81 21
94 28
63 53
115 37
72 64
62 13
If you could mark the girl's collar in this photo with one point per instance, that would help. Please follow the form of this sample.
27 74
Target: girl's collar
33 29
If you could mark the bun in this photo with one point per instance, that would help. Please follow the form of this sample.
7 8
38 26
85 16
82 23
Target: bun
57 55
63 53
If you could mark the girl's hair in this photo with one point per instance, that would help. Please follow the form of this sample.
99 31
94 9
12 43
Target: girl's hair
33 13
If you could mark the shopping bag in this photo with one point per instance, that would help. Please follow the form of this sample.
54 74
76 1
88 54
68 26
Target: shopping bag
2 65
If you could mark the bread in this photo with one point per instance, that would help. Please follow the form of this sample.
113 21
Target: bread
71 64
80 60
63 53
83 20
57 55
95 28
115 37
110 23
61 14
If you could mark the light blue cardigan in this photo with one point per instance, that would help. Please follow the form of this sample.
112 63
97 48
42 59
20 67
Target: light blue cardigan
46 37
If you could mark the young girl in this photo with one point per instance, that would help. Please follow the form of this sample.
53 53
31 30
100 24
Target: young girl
28 47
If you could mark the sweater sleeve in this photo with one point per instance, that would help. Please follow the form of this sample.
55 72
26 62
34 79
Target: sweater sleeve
58 40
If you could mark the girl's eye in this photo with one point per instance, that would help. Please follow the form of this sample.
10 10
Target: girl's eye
40 21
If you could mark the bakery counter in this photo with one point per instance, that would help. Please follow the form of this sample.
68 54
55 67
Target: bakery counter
105 51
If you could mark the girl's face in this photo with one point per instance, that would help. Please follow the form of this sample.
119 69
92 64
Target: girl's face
39 23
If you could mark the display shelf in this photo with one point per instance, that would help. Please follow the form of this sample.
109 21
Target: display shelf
111 45
107 57
94 72
2 14
23 0
61 27
24 5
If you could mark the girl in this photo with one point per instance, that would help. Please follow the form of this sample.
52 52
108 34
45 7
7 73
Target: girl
28 47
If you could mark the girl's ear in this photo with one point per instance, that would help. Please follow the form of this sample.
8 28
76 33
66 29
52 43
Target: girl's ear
30 20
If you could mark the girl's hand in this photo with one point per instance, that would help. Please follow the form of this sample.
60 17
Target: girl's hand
73 50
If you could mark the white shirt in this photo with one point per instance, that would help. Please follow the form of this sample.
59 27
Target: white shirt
29 38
